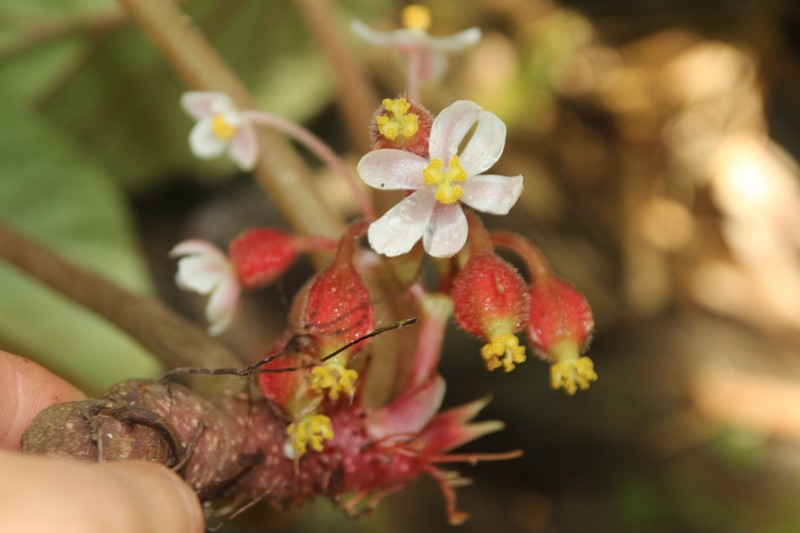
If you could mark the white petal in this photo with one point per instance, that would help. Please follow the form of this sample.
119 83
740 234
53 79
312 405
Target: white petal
485 146
447 230
244 147
450 127
203 142
392 169
221 307
396 231
367 34
492 194
199 104
195 246
202 266
459 41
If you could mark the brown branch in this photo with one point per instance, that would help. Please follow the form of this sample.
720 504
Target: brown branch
174 340
280 170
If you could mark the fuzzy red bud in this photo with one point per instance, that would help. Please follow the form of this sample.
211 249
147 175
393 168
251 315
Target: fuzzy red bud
261 255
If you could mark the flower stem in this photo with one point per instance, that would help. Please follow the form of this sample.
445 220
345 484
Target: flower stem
280 170
414 59
169 337
318 148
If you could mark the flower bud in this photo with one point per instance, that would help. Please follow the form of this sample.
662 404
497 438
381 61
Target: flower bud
402 125
261 255
491 303
559 331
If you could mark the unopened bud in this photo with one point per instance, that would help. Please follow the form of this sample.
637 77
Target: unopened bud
261 255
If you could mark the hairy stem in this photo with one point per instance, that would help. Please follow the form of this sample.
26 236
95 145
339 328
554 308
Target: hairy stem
169 337
280 171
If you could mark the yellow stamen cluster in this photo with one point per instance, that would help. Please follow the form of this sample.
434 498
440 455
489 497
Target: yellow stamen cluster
400 121
503 350
416 17
446 191
334 377
310 430
572 374
221 128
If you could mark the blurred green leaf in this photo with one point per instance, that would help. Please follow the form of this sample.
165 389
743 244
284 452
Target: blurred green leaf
50 192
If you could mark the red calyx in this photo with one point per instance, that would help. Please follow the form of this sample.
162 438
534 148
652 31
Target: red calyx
417 144
490 297
558 312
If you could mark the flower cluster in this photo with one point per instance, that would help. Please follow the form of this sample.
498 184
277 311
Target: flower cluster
315 373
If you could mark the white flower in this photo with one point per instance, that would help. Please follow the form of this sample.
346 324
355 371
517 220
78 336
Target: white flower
413 40
432 212
220 127
204 269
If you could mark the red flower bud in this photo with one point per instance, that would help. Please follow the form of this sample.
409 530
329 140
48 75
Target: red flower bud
559 331
261 255
491 302
403 125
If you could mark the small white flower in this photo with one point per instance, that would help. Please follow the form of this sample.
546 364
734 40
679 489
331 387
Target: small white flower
414 40
204 269
433 212
220 127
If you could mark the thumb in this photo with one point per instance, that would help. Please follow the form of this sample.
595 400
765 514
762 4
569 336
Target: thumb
45 494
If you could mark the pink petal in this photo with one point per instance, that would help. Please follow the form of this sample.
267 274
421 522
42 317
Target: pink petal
450 127
367 34
194 246
485 146
491 193
409 413
459 41
202 266
199 104
447 230
202 141
403 225
392 169
244 147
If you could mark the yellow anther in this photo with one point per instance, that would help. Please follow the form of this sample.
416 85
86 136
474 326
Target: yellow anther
572 374
446 191
221 128
503 350
416 17
310 430
400 121
334 377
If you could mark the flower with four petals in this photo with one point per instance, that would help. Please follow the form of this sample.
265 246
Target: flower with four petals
204 269
440 182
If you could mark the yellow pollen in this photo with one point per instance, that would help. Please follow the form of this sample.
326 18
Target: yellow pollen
400 121
310 430
334 377
416 17
570 372
446 191
222 129
503 350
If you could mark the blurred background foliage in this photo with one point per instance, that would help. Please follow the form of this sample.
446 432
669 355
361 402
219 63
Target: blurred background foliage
658 140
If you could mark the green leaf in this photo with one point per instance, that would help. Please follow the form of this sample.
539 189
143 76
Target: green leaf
49 192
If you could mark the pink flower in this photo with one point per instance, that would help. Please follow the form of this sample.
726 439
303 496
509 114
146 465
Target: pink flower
204 269
220 127
433 212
